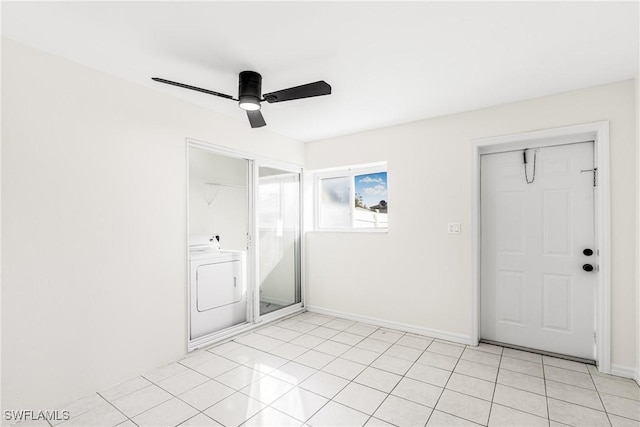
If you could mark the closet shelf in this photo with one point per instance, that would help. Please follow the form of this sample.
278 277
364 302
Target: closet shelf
211 197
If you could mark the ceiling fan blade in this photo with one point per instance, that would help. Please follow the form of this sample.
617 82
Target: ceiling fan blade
298 92
199 89
256 119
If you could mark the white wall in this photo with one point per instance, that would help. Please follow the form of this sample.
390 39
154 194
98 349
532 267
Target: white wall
419 275
227 214
93 221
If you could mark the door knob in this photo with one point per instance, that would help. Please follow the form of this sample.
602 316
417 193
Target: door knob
587 267
587 252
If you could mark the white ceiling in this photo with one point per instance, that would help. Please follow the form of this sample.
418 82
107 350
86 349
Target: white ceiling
388 62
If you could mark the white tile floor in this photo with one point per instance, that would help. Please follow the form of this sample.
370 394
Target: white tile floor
322 371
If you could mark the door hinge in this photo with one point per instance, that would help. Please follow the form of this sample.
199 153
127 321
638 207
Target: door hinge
594 337
248 241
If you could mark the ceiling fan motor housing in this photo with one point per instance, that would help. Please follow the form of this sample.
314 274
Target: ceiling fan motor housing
250 88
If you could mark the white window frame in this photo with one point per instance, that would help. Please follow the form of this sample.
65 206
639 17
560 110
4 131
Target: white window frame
350 172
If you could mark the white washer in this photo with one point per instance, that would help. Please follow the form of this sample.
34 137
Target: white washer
217 290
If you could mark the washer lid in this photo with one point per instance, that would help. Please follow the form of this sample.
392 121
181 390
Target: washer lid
216 255
209 246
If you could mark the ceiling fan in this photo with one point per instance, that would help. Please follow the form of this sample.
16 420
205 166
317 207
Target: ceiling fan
250 94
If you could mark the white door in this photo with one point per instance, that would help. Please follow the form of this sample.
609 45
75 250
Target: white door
534 290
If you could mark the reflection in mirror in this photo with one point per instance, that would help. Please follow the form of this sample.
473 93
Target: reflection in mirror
217 199
218 225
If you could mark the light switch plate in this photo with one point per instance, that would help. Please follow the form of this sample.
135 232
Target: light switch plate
454 228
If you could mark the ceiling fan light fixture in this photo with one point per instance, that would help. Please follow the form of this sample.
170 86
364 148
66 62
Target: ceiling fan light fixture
249 103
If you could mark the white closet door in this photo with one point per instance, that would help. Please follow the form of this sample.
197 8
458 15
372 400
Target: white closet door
534 290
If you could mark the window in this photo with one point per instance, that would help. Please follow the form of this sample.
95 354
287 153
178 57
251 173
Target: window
353 198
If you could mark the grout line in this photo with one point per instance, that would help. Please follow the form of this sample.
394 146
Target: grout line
588 407
577 404
542 353
444 387
117 409
546 395
600 397
403 376
352 381
309 391
495 386
173 396
346 385
177 396
199 413
620 397
369 366
544 376
524 412
276 409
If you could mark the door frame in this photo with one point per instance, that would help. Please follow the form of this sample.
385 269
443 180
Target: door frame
253 313
598 132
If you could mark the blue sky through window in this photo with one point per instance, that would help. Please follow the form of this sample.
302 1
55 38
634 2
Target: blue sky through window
372 187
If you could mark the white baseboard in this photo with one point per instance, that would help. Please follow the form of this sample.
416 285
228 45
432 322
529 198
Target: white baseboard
626 372
433 333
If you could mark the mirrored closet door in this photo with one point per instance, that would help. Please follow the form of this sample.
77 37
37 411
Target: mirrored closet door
219 287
